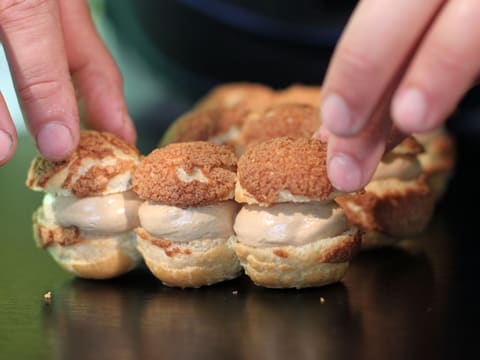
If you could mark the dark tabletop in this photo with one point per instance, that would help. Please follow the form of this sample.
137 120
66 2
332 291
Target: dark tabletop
415 301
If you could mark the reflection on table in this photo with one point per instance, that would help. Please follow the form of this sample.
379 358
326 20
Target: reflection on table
388 304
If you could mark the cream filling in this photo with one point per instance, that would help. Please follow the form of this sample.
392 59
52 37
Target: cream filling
396 166
94 215
289 224
193 223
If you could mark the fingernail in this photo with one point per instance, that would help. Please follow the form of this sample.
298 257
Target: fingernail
55 141
6 143
336 116
344 173
409 111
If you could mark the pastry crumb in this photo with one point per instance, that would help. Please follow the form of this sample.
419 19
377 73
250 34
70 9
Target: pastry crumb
322 300
48 297
234 292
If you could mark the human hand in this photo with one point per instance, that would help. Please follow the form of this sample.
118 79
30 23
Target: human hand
399 67
50 46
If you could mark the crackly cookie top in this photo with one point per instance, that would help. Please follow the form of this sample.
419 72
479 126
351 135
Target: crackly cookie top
293 120
251 96
101 164
187 174
204 125
284 169
298 94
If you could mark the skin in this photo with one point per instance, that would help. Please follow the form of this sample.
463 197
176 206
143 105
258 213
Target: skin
48 54
400 67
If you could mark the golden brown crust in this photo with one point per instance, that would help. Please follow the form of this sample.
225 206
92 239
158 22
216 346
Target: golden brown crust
294 120
89 170
99 258
192 126
189 264
322 262
157 178
227 118
298 94
442 150
105 268
345 251
438 160
41 170
372 240
250 96
409 146
46 235
294 165
204 125
102 258
168 246
397 212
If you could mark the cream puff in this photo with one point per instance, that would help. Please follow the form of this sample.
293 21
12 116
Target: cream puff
220 116
251 96
217 125
298 94
293 120
396 203
290 232
186 234
89 212
438 160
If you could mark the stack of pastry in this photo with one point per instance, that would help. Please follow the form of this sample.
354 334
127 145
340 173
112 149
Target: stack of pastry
220 115
186 233
290 233
251 96
438 160
397 203
294 229
216 125
298 94
89 212
290 119
399 200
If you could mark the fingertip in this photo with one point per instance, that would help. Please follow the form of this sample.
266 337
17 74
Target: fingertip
351 162
321 134
7 146
337 116
345 173
55 141
410 110
8 134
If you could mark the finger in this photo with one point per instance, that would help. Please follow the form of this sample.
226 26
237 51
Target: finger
446 65
322 134
396 137
376 43
8 135
33 40
351 161
95 72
